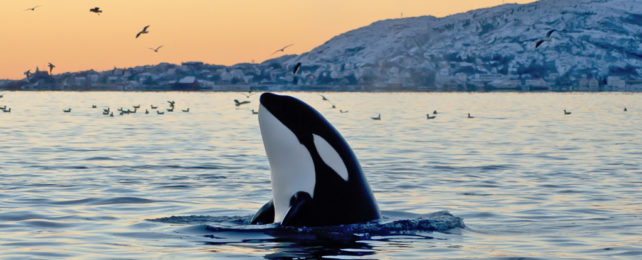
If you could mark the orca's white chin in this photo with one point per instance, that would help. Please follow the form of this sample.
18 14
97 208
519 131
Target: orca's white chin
292 167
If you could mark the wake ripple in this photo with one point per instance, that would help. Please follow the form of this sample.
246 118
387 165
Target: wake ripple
279 242
441 221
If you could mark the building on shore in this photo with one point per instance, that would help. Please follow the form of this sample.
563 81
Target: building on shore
537 85
40 75
614 83
587 84
186 83
633 86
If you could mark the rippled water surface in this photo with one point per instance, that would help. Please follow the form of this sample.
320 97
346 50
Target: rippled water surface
527 180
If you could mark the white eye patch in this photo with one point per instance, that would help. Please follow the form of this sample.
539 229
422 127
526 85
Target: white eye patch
330 156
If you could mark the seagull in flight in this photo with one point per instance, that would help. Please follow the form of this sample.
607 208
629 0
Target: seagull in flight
96 10
33 9
142 31
549 33
296 68
156 49
539 43
282 49
548 38
51 67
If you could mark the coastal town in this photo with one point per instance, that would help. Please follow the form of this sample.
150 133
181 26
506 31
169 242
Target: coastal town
274 75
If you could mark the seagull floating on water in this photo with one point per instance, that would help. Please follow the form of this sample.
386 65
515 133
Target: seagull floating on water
428 116
153 107
343 111
469 116
160 112
238 103
186 110
67 110
255 112
378 117
567 112
249 94
625 109
143 31
96 10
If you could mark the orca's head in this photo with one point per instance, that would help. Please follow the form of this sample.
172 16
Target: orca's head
303 148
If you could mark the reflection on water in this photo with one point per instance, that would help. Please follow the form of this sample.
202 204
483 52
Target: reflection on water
528 180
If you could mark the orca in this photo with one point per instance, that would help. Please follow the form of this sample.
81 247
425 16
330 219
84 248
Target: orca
316 178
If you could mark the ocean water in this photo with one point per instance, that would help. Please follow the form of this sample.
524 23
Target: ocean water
528 181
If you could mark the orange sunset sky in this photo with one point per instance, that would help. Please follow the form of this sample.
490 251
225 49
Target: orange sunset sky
226 32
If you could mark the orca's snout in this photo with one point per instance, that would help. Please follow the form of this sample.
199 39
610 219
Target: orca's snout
268 98
281 105
268 101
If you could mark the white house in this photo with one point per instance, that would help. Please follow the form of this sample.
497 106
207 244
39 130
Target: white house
614 83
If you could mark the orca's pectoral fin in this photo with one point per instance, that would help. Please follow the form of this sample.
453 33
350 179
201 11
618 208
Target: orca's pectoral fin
265 215
296 214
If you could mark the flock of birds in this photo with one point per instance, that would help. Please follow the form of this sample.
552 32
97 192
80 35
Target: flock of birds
107 111
434 114
97 11
429 116
145 30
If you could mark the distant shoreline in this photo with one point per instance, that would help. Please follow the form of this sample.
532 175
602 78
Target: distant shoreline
327 91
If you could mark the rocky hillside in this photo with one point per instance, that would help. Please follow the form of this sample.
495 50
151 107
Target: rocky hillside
577 39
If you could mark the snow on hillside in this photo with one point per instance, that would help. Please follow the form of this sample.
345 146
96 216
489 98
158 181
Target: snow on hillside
592 39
